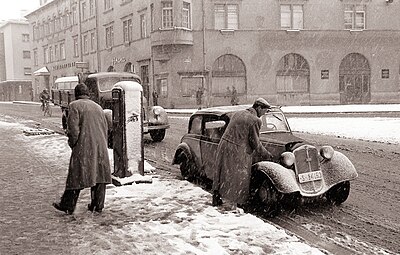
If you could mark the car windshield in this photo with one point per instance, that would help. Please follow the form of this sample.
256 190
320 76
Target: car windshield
273 122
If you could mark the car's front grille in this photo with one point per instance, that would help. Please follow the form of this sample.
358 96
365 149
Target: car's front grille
307 160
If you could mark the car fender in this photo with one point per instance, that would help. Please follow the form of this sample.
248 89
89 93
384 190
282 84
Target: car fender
284 179
338 169
182 148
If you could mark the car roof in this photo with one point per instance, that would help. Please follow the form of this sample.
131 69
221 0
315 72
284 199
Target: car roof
222 110
67 79
113 74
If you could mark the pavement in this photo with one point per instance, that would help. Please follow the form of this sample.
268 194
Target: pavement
28 223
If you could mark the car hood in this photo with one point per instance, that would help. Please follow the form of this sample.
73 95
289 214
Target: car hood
280 138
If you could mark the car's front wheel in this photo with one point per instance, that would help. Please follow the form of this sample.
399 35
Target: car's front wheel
268 197
338 193
157 135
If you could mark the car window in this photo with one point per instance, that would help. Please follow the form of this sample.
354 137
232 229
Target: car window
214 128
273 122
195 127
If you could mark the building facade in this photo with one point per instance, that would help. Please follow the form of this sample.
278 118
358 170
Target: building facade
292 52
15 61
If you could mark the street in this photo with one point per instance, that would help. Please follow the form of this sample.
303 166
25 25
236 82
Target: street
367 223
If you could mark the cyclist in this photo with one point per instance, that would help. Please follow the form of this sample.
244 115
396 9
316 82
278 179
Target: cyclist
44 97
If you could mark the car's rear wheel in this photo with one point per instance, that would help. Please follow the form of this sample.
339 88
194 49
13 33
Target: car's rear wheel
338 193
157 135
268 197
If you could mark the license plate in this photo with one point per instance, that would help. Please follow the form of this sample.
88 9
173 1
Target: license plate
310 176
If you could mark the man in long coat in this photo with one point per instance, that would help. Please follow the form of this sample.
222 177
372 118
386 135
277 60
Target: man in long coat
89 165
234 154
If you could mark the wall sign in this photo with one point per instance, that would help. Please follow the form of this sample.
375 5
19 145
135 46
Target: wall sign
324 74
385 73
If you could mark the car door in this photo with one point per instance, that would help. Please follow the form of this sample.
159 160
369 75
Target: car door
214 127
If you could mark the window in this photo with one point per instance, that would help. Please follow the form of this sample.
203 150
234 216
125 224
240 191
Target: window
35 57
86 44
229 72
62 50
56 53
74 16
143 31
46 55
167 18
26 54
84 11
107 5
354 16
91 8
186 18
162 85
27 71
109 36
127 30
291 16
293 74
25 37
76 46
51 53
92 41
226 16
151 17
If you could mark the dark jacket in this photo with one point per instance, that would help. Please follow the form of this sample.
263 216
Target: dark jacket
234 156
87 137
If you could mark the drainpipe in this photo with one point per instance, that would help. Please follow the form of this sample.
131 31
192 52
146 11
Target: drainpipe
80 31
97 37
204 54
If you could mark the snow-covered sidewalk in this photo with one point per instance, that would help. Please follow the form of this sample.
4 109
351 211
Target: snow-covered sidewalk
168 216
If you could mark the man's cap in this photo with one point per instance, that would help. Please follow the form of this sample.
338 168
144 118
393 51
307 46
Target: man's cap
263 103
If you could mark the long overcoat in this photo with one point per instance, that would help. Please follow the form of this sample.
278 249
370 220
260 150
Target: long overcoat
234 156
87 137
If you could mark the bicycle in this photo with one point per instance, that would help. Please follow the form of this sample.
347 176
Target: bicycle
47 109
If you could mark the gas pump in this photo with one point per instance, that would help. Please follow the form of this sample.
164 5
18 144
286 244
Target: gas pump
127 121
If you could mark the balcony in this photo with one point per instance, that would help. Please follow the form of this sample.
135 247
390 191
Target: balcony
175 36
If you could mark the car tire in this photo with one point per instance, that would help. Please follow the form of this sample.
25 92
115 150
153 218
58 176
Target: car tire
157 135
338 193
269 198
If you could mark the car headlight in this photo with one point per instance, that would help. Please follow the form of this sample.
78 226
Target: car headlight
287 158
326 152
157 110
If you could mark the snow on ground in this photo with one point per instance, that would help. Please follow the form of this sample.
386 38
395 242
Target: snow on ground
168 216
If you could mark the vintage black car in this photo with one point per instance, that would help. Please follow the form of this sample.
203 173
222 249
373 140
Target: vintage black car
298 169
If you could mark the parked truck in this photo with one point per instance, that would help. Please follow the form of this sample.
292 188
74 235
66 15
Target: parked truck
100 86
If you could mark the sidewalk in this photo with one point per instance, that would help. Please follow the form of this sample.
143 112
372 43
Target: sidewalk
168 216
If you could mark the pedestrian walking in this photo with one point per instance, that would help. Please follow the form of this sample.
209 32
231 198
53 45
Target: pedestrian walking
234 154
89 165
234 97
155 97
199 96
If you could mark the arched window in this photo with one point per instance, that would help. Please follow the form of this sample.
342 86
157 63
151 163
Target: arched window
228 71
293 74
110 69
129 67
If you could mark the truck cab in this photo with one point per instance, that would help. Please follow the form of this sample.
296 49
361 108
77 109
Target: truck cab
100 86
